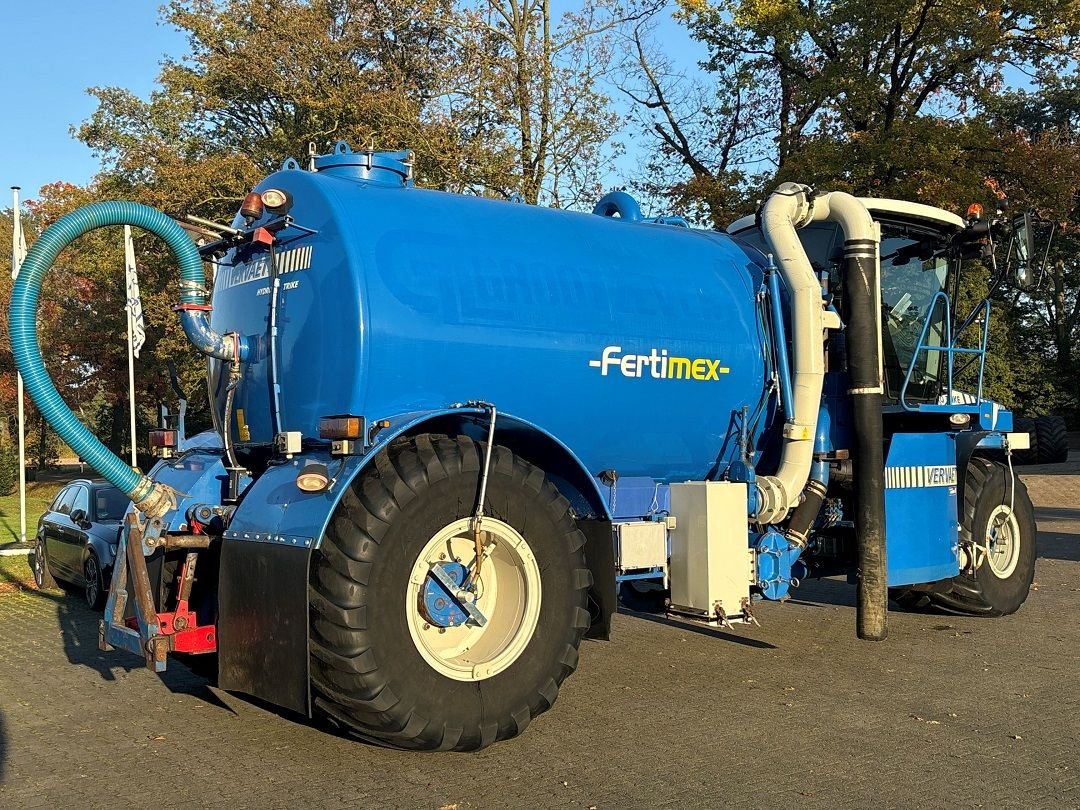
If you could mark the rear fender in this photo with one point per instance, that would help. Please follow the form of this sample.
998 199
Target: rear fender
265 556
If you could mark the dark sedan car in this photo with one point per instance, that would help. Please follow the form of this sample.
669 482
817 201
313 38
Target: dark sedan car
77 538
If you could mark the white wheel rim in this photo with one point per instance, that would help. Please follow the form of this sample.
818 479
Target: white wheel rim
1002 542
508 595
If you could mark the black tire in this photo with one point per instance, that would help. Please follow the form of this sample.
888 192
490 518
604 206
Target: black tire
1030 456
94 588
1053 439
367 674
984 592
43 577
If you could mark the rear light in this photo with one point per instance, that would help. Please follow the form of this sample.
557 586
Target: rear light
163 438
313 477
162 442
341 427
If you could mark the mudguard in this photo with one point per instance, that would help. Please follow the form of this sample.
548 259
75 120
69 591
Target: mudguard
263 580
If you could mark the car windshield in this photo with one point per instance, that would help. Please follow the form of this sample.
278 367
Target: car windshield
110 504
914 268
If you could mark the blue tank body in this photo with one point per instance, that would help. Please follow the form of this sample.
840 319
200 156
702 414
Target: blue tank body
631 342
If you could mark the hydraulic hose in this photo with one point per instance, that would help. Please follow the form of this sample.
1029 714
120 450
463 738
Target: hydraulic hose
154 500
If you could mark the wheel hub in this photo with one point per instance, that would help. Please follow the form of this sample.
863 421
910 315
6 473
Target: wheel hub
469 627
441 606
1002 542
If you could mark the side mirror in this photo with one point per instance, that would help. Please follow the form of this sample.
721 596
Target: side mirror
1023 249
78 517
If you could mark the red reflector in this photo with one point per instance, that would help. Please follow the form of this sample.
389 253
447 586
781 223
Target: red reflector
262 237
163 438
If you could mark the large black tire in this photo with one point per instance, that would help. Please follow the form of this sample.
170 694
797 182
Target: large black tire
367 674
1053 439
43 577
1030 456
985 592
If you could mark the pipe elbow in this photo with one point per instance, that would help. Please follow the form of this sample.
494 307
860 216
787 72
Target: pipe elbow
196 325
790 206
618 203
846 210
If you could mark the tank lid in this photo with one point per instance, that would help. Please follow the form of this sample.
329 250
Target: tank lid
384 168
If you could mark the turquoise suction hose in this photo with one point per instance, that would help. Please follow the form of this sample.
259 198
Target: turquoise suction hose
149 498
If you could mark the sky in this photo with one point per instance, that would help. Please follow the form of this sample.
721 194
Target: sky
50 53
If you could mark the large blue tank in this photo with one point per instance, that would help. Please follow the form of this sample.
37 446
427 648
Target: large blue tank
631 342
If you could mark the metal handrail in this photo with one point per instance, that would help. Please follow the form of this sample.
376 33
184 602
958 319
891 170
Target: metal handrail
949 347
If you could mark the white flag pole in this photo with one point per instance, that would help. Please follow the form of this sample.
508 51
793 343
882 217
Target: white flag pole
129 261
17 241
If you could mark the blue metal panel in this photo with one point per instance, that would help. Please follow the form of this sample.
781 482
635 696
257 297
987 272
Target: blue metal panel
198 476
409 300
920 508
275 510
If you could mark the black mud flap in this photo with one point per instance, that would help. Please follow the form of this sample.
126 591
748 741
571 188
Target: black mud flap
263 622
600 557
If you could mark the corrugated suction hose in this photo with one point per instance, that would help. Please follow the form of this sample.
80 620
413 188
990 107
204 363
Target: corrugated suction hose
150 499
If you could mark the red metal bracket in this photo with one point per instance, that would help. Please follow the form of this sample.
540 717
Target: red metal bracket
262 236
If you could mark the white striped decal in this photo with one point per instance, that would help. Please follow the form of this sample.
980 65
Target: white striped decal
920 477
290 261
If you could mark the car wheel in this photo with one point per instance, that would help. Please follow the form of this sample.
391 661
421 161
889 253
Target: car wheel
95 583
43 578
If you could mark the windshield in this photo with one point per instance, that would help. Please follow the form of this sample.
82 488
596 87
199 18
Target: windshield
914 268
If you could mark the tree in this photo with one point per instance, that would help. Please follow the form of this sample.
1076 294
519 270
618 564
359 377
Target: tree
870 96
534 81
1038 132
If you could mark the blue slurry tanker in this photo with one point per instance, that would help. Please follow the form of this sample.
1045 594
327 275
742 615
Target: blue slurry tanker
449 429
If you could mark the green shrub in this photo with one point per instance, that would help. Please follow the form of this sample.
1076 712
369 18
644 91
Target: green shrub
9 470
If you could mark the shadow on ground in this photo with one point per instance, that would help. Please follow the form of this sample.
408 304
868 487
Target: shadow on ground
1059 546
79 630
3 749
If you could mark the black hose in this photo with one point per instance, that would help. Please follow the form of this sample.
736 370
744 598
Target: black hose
806 512
868 456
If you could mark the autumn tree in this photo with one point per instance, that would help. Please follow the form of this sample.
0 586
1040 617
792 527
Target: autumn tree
537 80
870 96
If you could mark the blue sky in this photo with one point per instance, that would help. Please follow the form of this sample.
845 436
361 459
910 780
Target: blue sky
50 52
